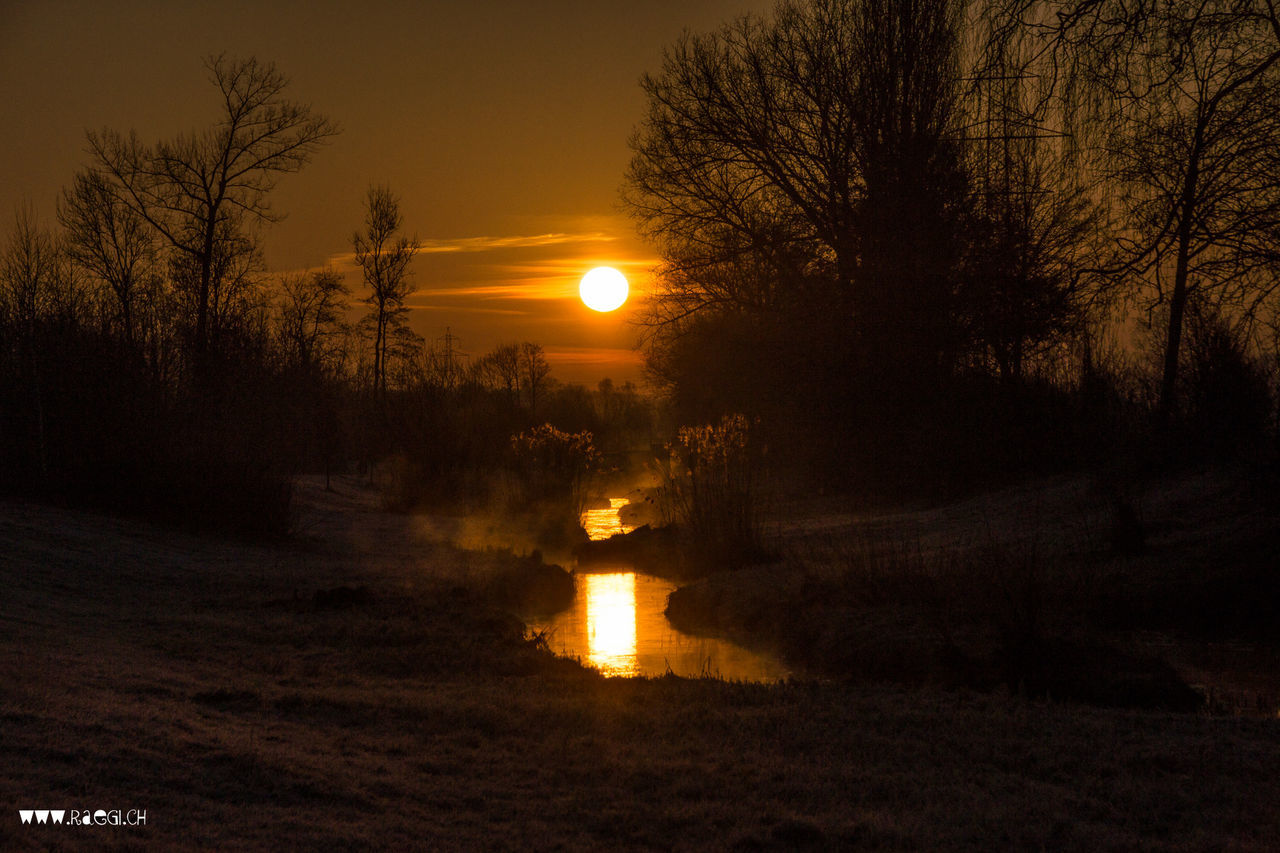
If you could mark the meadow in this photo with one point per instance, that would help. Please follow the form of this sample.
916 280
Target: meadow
355 687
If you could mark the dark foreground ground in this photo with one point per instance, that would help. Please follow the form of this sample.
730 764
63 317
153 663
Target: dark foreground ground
245 700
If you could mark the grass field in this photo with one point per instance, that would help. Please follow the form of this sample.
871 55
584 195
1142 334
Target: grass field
354 689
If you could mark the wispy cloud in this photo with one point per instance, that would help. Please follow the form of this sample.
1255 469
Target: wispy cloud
535 290
489 244
575 267
465 309
469 245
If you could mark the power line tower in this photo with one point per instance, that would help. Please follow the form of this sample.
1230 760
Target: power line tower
447 363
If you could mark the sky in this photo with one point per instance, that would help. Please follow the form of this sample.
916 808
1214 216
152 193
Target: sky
502 127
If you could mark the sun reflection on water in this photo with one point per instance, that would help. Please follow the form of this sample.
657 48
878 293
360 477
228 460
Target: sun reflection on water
605 522
611 622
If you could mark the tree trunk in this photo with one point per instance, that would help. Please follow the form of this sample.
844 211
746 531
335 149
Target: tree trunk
379 348
202 313
202 299
1178 300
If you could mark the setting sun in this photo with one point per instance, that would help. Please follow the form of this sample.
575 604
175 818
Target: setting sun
603 289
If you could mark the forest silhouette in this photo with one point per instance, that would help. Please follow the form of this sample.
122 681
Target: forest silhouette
929 247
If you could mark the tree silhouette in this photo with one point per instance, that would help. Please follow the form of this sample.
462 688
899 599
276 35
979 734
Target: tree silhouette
201 191
30 275
1187 115
383 256
520 371
110 240
534 371
42 302
500 371
310 310
235 289
809 162
1033 223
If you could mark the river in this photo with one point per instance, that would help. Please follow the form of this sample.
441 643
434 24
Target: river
617 623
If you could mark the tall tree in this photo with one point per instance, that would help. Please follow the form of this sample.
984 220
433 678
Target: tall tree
809 162
383 254
201 189
1187 108
235 285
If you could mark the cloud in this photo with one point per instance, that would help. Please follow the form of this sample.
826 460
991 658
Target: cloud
489 244
633 268
465 309
470 245
531 290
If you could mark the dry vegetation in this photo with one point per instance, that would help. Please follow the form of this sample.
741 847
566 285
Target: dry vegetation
351 690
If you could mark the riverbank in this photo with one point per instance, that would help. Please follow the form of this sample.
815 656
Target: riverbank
239 697
1038 590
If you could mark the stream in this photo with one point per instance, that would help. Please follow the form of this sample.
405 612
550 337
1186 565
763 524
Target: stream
617 623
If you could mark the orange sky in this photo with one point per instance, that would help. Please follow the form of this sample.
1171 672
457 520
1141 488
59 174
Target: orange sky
501 124
488 290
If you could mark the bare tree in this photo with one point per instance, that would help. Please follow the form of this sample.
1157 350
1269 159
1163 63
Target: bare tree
1186 101
310 309
520 371
201 189
534 371
809 158
235 286
30 277
500 370
383 255
1033 221
37 289
110 240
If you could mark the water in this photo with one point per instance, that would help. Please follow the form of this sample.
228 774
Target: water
617 624
603 523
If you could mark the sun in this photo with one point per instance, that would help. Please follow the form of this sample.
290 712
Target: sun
603 289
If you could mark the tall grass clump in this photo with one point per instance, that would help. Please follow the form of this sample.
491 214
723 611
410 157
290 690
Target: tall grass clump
713 483
555 465
551 473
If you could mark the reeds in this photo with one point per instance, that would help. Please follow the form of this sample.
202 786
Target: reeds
712 483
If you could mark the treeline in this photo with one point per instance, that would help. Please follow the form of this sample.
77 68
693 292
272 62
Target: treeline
931 241
149 364
131 416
